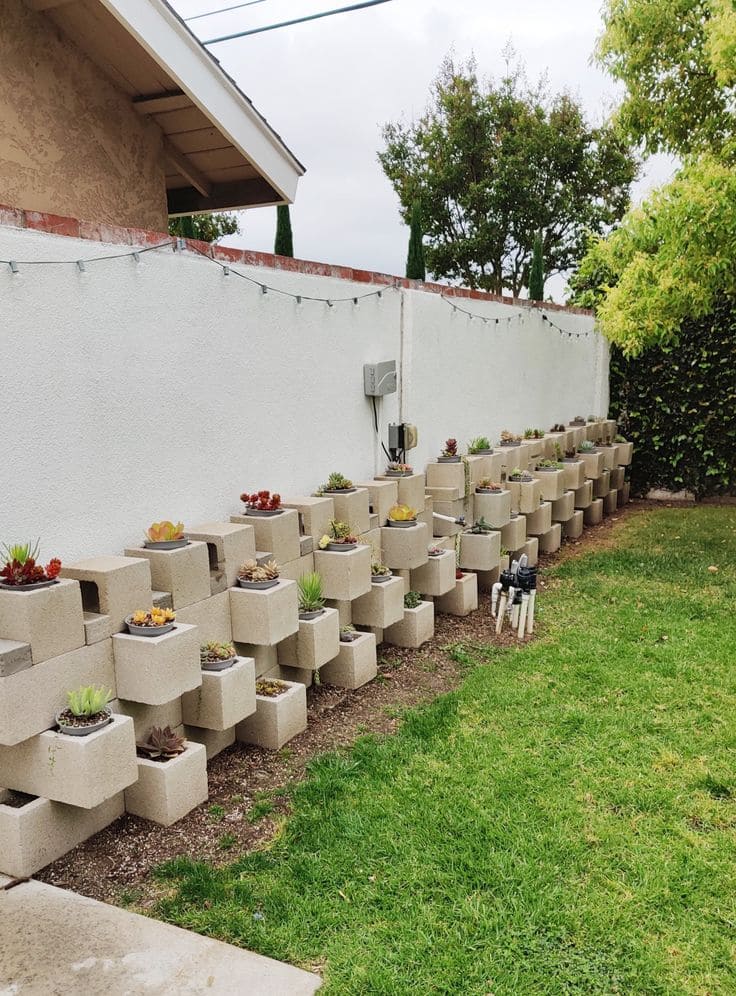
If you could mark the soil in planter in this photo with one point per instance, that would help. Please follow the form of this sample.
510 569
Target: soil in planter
68 718
271 689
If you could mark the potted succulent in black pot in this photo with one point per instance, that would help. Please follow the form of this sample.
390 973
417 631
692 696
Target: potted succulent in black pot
87 711
547 465
311 599
262 503
399 470
165 535
337 484
449 454
214 656
257 576
520 476
150 622
21 572
340 538
480 446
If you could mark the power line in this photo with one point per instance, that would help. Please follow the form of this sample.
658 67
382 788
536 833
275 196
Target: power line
297 20
224 10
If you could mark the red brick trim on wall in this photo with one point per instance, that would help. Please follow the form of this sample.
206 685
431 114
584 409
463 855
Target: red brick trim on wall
55 224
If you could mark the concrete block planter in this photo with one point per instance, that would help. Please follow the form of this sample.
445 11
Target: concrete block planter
265 658
594 430
513 534
437 576
573 527
444 496
584 495
462 600
494 507
297 675
346 576
442 527
30 698
353 508
157 669
343 608
167 790
602 484
550 541
540 521
382 495
96 627
446 475
616 478
317 642
405 548
593 464
573 474
184 572
213 741
411 489
457 508
551 484
530 548
296 569
563 508
211 617
382 606
112 586
265 617
525 495
276 719
624 454
487 579
275 534
229 545
480 551
79 771
14 657
315 514
415 628
624 493
513 456
485 465
609 457
610 502
593 514
224 698
39 832
565 440
373 538
355 665
49 619
145 716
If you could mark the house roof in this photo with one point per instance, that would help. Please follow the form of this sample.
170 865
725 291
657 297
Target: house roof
221 152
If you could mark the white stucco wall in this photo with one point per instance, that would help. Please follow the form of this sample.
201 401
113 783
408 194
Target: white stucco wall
134 392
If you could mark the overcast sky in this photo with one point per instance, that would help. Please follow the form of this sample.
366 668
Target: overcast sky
328 86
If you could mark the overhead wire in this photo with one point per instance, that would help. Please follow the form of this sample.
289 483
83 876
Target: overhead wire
223 10
296 20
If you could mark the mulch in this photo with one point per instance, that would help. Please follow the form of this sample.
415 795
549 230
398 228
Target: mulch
115 865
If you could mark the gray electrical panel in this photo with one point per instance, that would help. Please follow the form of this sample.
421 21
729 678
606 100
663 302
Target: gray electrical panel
379 378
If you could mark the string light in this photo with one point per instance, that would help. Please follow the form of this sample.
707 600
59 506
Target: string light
483 318
567 332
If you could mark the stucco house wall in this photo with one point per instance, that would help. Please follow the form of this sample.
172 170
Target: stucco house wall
70 142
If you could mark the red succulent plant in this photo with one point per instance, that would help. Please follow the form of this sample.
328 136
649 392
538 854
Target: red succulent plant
20 567
263 501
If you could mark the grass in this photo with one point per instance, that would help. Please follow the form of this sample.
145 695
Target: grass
565 822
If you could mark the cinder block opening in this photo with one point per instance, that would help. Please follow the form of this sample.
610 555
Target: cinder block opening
90 596
212 554
15 800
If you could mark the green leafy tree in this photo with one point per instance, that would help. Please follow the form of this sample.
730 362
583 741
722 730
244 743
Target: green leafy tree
536 274
415 266
205 227
491 164
284 243
672 259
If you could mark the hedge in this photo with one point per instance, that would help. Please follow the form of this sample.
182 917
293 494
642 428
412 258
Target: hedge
677 404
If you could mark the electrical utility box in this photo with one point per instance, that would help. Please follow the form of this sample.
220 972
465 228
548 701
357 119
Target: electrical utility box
379 378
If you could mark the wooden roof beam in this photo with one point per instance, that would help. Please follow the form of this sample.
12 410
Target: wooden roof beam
190 172
158 103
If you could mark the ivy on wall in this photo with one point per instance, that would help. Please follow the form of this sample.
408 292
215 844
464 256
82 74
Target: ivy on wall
677 404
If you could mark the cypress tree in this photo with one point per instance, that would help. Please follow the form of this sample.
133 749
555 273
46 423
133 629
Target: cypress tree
536 274
415 268
284 244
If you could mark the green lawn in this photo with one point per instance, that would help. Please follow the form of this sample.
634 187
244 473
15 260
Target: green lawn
563 823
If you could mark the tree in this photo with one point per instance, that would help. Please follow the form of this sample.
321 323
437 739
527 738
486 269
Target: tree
415 266
536 274
672 260
491 164
676 60
284 244
205 227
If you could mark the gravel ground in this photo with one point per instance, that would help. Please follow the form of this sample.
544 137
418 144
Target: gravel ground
248 786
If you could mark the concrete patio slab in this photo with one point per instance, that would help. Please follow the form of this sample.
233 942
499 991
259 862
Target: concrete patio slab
56 943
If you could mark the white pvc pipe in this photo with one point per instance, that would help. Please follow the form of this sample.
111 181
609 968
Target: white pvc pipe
495 591
522 616
501 611
530 616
